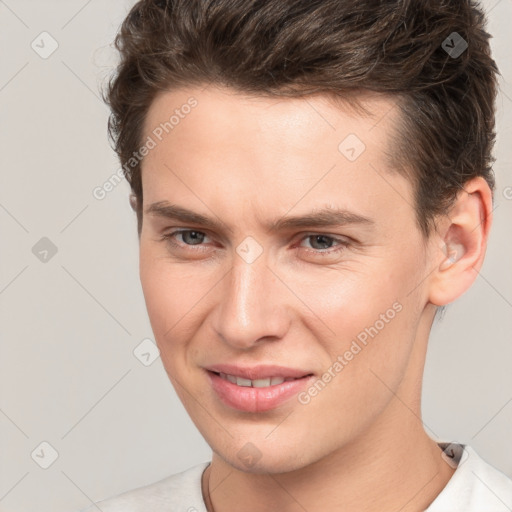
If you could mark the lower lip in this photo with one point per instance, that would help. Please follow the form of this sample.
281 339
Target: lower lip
249 399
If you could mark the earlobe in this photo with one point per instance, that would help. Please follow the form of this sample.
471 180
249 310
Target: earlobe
133 202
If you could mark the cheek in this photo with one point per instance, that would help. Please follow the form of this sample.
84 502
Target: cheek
368 358
347 301
368 318
176 297
167 292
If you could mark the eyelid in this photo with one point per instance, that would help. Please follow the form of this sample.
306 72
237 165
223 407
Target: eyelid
338 238
170 236
342 242
304 234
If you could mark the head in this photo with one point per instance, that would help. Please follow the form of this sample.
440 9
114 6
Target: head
247 114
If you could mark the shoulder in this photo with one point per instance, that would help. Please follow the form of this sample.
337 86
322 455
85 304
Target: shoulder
180 492
474 487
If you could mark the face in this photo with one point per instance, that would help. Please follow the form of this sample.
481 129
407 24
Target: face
306 264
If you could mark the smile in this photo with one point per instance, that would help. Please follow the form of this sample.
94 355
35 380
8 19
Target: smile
256 383
255 395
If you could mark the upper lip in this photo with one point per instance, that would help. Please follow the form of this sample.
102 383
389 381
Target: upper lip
264 371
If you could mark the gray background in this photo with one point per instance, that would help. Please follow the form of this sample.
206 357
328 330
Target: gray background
70 324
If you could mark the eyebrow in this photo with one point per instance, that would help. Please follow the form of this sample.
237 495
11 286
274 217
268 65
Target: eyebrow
323 217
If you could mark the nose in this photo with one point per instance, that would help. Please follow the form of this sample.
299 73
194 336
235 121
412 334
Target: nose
252 305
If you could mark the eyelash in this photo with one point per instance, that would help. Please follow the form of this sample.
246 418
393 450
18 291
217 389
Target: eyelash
342 244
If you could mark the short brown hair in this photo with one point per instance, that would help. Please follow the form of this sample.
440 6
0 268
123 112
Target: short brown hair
414 50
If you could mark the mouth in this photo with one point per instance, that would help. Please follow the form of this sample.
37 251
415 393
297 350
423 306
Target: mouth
258 394
257 383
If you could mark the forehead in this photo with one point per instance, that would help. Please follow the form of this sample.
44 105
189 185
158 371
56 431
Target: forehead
217 111
233 153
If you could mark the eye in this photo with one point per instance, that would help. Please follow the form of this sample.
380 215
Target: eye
188 236
319 241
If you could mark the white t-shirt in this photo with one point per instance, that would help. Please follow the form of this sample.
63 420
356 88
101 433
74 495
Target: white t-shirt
475 486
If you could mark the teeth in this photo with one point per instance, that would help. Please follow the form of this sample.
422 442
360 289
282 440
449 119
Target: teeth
260 383
256 383
240 381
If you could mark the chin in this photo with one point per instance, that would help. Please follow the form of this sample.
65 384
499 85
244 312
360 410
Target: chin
269 461
268 467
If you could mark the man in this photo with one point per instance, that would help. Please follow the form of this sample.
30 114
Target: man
312 181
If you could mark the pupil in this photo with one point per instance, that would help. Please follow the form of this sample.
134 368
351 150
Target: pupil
320 237
195 236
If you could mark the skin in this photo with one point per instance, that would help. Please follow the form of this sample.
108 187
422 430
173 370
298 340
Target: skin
359 445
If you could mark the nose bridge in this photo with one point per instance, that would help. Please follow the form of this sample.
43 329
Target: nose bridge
250 308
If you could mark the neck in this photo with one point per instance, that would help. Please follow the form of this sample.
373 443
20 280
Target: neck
403 473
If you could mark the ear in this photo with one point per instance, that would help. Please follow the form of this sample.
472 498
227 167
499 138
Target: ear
133 202
461 243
